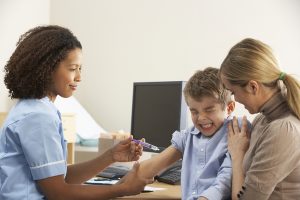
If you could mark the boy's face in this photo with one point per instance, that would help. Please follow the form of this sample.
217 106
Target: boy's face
207 114
67 75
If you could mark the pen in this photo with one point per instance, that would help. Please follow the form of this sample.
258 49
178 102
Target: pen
145 144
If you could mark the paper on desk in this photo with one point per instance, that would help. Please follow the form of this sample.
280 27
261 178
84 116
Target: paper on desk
149 188
97 181
104 181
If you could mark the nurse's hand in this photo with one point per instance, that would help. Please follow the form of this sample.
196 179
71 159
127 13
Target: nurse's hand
238 138
126 151
133 183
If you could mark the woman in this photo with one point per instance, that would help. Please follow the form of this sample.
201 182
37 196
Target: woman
47 62
265 166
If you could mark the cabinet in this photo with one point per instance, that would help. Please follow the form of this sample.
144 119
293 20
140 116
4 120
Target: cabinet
69 127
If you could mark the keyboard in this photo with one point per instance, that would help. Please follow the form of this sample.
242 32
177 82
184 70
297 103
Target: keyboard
172 175
114 172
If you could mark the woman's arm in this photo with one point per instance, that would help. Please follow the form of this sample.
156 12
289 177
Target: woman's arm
238 177
238 144
124 151
274 158
55 188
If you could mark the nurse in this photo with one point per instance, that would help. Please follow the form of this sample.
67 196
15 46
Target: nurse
47 62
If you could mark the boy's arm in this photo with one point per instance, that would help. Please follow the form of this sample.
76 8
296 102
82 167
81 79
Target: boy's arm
151 167
222 185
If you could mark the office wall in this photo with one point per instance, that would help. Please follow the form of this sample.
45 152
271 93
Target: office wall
165 40
16 17
143 40
139 40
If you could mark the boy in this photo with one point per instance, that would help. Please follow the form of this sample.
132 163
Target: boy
206 165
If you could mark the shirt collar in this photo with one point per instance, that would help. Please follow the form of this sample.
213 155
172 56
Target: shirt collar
275 107
49 102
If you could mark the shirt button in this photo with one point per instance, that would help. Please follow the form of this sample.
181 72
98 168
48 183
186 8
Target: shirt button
201 149
194 193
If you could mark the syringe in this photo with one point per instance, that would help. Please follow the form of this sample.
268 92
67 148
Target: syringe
145 144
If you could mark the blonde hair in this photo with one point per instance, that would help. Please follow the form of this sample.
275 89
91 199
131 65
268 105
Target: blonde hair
251 59
206 83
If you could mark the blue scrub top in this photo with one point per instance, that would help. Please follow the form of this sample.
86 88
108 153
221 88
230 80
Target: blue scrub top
32 147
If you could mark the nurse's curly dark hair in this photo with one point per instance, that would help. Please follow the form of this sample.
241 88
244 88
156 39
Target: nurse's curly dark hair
28 72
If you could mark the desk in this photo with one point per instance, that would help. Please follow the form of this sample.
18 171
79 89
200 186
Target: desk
171 192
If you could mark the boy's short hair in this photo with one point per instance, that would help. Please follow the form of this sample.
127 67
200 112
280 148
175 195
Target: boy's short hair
28 73
206 83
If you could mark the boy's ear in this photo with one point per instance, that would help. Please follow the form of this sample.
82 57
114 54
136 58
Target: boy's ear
230 107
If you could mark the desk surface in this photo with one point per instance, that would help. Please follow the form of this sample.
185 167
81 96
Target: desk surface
170 192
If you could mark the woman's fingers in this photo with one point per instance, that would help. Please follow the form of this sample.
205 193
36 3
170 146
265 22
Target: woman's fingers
244 125
126 141
234 128
135 169
235 125
230 129
136 166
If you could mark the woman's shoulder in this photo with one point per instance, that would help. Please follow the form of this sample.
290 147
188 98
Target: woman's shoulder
43 105
284 129
27 109
288 123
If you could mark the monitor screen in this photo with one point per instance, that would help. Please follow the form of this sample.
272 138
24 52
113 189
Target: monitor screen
158 109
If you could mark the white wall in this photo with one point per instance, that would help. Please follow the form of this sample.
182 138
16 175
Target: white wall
160 40
150 40
16 17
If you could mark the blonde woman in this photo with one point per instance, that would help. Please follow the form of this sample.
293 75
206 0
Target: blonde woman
265 166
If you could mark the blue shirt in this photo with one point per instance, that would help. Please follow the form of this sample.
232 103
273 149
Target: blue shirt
32 147
206 164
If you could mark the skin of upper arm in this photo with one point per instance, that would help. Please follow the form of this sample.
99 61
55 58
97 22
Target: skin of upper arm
53 187
151 167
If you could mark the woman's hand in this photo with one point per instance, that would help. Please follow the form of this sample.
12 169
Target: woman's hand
126 151
238 138
133 183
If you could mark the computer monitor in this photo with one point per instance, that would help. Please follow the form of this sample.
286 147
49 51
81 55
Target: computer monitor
158 109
